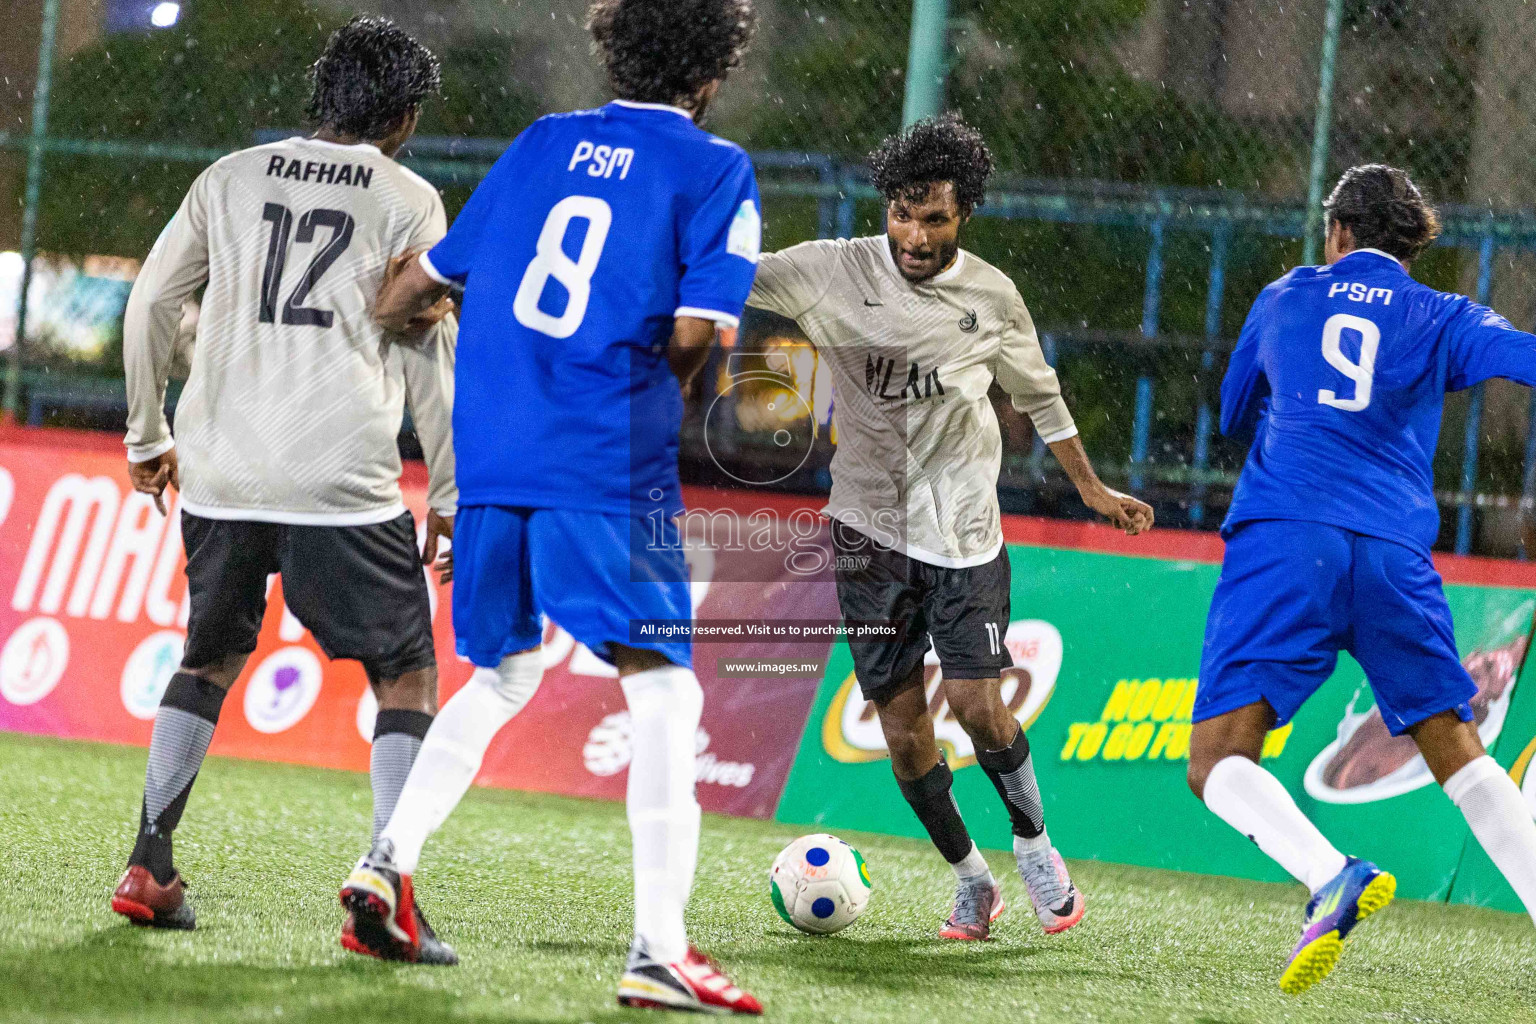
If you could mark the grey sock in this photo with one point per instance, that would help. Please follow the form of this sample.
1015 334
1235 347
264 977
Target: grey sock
397 737
1012 771
184 724
176 751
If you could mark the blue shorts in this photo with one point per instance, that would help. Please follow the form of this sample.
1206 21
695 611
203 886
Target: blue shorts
591 572
1293 594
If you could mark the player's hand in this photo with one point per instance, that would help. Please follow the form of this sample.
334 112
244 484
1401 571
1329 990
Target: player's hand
438 528
150 477
428 318
431 316
1127 513
397 265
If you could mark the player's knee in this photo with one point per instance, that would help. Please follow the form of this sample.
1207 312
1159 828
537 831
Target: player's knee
670 689
221 672
1203 759
516 679
415 688
983 715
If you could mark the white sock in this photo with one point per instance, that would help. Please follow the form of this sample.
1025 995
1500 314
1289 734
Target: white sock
664 704
455 745
973 868
1036 846
1254 802
1493 806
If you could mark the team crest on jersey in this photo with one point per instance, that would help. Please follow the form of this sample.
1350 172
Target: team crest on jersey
746 235
968 322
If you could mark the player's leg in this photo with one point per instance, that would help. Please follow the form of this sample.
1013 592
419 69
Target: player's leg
1406 644
596 574
967 612
1273 636
1487 797
498 629
926 783
876 584
362 593
227 568
407 703
665 703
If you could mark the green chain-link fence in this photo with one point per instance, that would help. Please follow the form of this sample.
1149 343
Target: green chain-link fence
1156 159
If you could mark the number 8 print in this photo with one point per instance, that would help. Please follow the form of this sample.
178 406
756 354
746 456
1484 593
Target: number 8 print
550 261
1362 373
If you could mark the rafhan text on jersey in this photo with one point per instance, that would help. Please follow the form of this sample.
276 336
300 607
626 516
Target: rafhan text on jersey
320 171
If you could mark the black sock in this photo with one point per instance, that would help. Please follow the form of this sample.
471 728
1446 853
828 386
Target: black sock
1013 774
934 805
397 736
184 725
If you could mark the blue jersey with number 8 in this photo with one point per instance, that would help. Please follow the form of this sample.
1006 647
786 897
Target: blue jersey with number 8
591 233
1342 372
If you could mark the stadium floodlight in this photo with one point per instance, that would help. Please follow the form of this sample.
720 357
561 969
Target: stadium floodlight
164 15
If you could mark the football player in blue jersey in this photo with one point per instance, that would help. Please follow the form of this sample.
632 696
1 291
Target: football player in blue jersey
1340 374
598 258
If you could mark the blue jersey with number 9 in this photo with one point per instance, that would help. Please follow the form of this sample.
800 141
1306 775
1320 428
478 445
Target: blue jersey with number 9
591 233
1342 372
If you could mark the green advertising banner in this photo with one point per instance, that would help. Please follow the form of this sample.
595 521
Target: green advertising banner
1106 651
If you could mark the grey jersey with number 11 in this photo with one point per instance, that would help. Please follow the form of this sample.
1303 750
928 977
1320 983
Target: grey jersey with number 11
918 447
295 396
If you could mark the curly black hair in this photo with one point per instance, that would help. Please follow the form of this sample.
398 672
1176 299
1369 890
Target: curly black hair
665 51
1384 210
935 149
370 77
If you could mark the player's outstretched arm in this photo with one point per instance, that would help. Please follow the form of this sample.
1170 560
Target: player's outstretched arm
1023 372
1127 513
793 282
1485 345
410 300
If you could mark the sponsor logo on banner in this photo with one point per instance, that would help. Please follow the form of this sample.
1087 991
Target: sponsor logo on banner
148 672
283 689
33 660
851 730
609 748
119 553
1146 720
1365 762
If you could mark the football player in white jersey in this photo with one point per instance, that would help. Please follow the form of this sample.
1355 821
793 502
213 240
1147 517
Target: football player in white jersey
915 330
285 450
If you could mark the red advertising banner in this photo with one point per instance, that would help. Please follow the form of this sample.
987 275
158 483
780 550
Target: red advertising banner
93 615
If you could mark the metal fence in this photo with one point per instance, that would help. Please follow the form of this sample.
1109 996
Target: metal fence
1159 161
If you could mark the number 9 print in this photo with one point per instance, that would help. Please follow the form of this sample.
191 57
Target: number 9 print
1362 373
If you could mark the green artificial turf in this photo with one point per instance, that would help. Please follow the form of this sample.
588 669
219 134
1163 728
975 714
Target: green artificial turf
534 892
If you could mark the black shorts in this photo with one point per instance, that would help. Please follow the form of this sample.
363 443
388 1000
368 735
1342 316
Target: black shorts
359 590
965 611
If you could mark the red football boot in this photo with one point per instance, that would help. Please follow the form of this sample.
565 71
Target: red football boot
693 983
145 901
383 920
